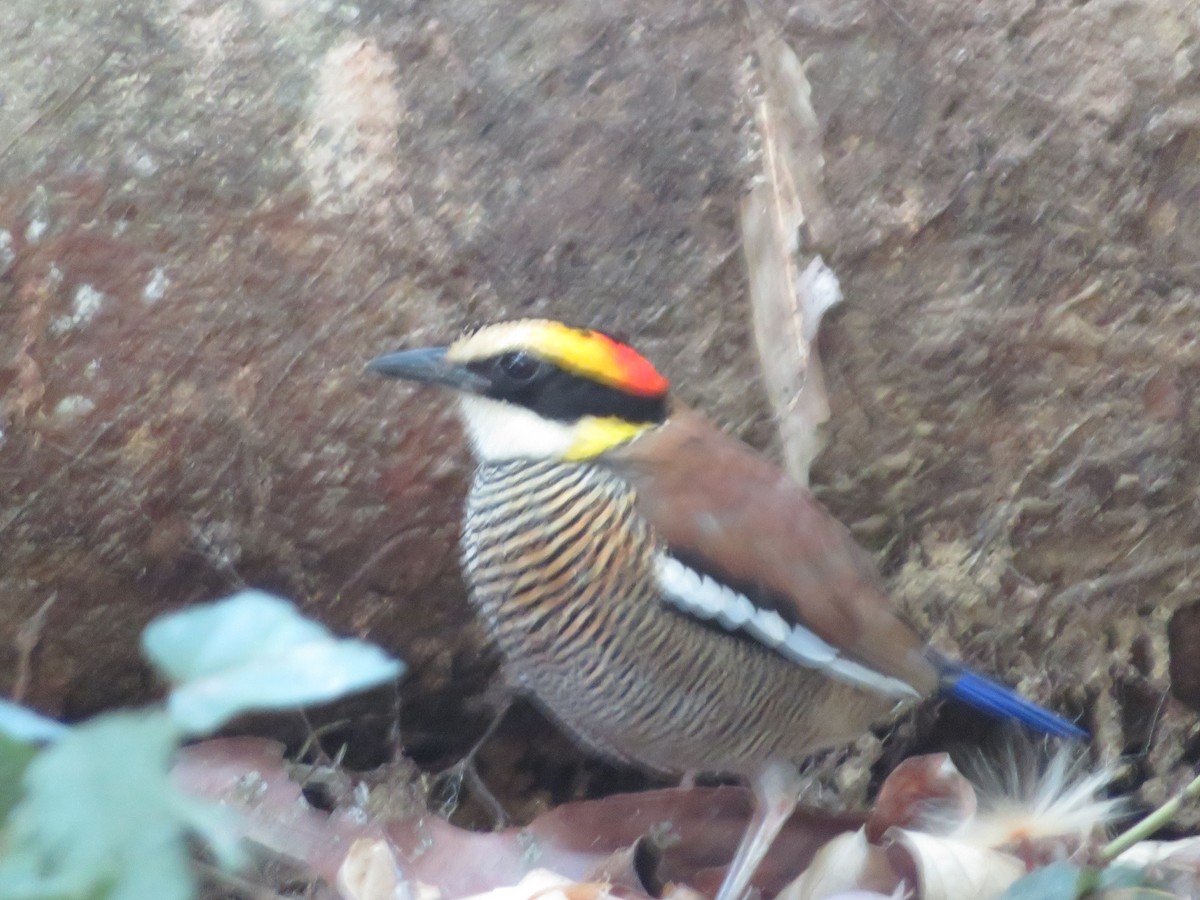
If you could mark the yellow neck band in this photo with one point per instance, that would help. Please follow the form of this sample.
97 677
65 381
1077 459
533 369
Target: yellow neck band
594 436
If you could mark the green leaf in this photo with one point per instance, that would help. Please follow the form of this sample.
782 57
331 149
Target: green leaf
1116 877
1057 881
25 725
217 827
99 816
20 730
254 651
15 757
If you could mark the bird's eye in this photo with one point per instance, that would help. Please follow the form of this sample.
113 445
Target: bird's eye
519 366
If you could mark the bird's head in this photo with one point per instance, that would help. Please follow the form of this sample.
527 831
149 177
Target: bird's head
538 389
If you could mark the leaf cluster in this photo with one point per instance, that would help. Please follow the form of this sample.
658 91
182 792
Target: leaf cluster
89 811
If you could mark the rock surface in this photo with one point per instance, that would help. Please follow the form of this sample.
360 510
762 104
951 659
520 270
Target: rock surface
212 213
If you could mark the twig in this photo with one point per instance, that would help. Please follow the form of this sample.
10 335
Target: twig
386 549
1003 519
312 743
1152 823
1081 591
464 771
899 17
237 882
26 640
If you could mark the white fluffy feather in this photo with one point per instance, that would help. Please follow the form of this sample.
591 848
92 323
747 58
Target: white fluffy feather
1024 797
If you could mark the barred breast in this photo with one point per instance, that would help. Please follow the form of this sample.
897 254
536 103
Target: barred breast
560 566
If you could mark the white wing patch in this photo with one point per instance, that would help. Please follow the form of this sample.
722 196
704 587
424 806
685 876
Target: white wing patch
706 598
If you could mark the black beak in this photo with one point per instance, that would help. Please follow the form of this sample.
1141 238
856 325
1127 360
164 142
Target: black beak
428 366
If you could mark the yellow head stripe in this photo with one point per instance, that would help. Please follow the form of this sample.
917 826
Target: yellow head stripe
587 353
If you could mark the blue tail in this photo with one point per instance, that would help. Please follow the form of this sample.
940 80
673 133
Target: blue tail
997 700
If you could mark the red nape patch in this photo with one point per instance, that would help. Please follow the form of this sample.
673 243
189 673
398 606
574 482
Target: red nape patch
637 375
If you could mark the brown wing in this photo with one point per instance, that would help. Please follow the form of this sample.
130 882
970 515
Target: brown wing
741 519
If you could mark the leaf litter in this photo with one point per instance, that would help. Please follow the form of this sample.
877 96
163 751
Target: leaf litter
931 835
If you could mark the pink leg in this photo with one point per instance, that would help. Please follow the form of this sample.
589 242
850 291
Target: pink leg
776 790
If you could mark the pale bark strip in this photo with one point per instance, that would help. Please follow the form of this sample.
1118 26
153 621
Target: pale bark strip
787 302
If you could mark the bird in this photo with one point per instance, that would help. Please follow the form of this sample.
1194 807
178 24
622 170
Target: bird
670 597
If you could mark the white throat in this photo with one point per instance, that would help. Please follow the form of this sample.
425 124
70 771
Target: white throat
501 430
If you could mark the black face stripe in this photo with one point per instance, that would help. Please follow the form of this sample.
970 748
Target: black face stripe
564 396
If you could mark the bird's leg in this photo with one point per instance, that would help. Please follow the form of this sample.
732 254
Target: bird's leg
464 769
776 790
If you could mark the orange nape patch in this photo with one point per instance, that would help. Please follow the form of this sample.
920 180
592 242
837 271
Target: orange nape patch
578 350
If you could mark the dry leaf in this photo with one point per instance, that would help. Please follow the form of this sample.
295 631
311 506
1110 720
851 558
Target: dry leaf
847 863
925 792
598 841
945 869
1174 864
370 872
542 884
